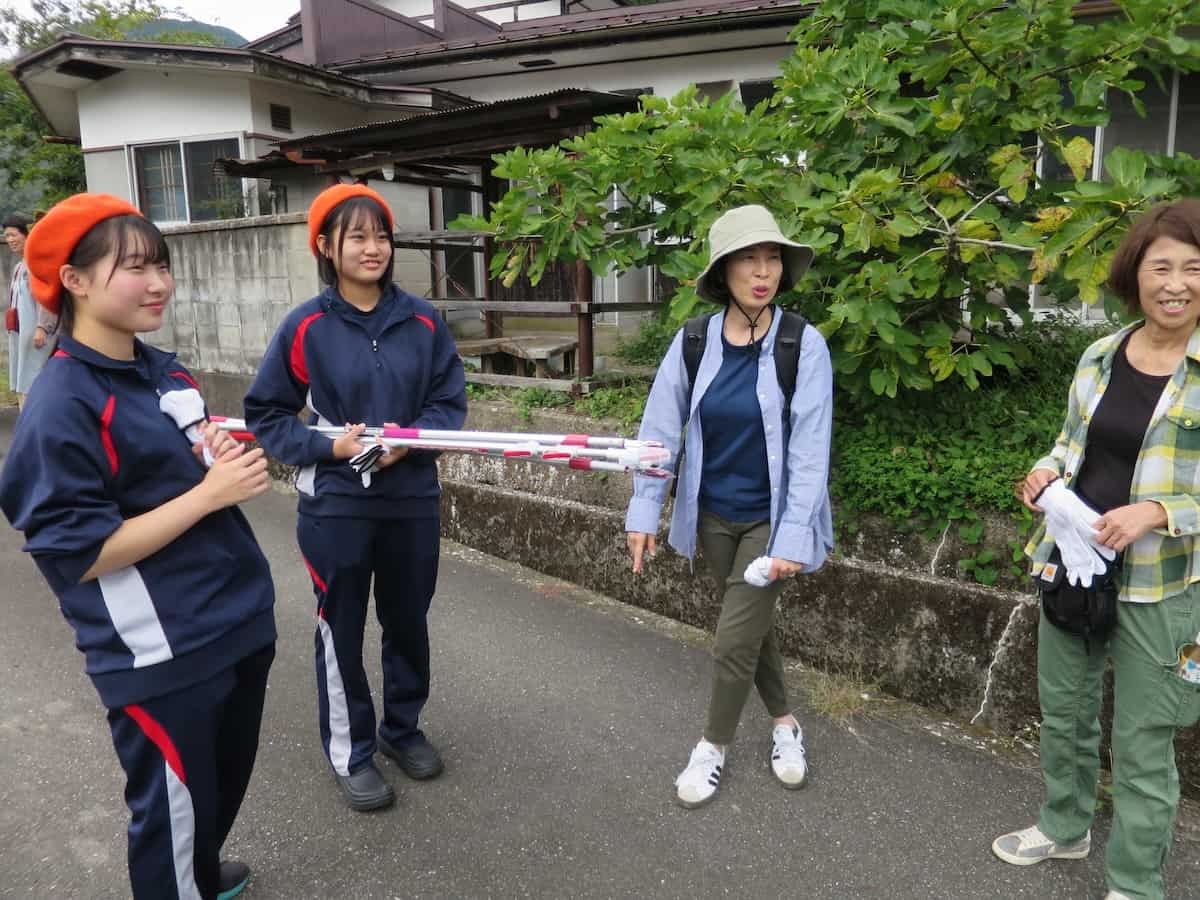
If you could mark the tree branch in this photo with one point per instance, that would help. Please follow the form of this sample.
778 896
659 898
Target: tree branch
979 59
937 212
982 201
999 245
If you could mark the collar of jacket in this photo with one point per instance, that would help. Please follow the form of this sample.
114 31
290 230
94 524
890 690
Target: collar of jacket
152 359
394 305
1106 348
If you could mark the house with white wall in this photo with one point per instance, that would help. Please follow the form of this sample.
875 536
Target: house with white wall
153 119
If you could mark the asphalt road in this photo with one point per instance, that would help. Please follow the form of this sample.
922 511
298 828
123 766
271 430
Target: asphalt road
563 718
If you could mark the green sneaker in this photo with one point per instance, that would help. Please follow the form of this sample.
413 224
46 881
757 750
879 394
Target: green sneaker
1025 848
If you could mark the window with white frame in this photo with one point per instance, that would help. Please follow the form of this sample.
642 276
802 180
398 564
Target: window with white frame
179 181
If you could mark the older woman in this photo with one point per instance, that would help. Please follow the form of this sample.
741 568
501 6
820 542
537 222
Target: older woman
753 480
31 329
1130 449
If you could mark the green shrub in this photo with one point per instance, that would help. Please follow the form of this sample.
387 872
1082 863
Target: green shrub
933 457
649 345
923 459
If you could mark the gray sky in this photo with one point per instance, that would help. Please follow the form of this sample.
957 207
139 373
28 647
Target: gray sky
249 18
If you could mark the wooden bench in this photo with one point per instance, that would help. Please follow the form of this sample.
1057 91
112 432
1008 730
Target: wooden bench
512 355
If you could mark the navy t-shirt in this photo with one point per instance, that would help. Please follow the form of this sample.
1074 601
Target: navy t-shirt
734 482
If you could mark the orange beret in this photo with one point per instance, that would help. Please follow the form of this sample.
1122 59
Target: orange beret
56 235
328 200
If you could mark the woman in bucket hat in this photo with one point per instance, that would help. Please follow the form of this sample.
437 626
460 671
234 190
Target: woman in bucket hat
752 484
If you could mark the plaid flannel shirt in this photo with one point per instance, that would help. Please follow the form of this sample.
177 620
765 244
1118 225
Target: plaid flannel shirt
1165 561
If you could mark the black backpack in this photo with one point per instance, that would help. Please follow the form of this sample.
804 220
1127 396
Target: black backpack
788 338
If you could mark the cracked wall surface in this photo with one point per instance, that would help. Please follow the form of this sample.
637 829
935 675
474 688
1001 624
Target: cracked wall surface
951 645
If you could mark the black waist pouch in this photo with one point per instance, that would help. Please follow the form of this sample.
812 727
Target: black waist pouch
1089 612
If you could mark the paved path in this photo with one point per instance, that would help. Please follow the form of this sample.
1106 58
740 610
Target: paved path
563 718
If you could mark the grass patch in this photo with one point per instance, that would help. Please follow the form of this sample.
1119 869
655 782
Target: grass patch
840 695
7 397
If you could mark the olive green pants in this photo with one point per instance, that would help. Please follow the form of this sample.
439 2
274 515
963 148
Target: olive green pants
1151 704
745 651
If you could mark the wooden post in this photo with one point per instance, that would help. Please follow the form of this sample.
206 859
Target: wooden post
493 323
583 320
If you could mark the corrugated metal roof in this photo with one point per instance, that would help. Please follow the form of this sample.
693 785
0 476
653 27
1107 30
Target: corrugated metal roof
534 30
468 114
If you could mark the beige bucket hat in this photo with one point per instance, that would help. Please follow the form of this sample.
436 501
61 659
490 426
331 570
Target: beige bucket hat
745 226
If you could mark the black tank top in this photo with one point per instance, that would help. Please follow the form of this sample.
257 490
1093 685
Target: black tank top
1116 434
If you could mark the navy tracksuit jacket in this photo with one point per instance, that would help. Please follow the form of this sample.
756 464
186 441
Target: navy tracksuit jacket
399 364
178 645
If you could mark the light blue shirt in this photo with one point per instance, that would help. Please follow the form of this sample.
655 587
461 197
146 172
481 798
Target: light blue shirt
801 519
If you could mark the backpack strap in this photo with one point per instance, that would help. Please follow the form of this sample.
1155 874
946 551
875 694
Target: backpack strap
695 338
787 355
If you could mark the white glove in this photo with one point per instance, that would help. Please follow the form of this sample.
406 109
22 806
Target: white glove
758 573
1073 512
1079 558
367 462
185 408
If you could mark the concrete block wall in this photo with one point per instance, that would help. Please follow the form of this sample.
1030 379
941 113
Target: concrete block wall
236 280
234 283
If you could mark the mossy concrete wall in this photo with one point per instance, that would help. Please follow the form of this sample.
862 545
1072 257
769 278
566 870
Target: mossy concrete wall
887 607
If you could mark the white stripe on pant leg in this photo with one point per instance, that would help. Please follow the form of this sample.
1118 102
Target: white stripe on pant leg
183 835
335 701
134 616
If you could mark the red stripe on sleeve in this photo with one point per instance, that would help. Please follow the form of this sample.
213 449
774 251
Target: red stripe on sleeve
296 357
106 438
426 321
179 373
317 579
61 354
159 737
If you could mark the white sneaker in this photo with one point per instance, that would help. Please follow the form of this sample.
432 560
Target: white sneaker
698 783
1115 895
1025 848
787 757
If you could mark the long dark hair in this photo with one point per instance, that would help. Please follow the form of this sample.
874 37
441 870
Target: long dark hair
360 212
126 237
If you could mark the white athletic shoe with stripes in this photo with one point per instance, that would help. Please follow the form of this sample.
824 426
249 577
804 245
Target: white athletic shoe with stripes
787 756
698 783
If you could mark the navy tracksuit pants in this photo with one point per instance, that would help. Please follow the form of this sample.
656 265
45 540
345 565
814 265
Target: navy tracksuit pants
342 556
187 757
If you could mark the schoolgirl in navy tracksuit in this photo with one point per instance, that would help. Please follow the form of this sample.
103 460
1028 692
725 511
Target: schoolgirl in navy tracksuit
153 565
363 352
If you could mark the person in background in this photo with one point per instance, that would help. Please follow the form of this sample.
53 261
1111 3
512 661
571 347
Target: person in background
32 328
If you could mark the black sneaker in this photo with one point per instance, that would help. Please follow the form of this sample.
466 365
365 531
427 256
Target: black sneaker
232 882
366 789
419 760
